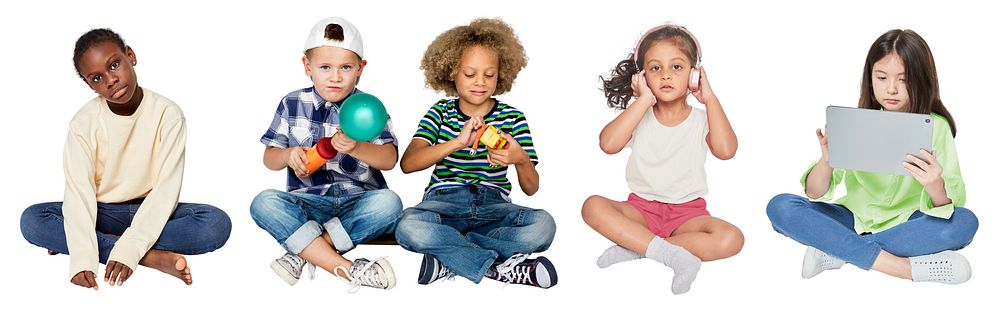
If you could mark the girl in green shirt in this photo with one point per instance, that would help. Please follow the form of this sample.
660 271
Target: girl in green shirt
904 226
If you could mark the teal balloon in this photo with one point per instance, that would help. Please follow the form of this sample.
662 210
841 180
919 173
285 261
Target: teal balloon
362 117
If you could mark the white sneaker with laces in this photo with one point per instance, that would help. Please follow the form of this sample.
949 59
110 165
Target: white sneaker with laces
375 274
289 268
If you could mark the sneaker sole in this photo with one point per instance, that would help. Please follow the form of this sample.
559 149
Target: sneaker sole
284 274
543 263
426 270
809 262
390 275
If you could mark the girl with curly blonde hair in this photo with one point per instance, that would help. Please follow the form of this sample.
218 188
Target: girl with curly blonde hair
466 224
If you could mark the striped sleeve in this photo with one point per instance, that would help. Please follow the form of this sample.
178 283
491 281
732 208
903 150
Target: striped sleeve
522 133
430 124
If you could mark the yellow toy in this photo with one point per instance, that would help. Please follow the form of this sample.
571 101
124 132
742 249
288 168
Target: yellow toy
490 137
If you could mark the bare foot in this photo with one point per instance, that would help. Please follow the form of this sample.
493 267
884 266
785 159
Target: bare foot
168 262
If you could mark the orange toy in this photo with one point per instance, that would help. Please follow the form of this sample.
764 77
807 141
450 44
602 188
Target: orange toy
490 137
319 154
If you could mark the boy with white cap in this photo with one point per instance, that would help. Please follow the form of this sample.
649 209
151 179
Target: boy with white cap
344 203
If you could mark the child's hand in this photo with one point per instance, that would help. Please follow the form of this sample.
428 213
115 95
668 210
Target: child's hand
928 173
295 158
821 136
513 155
640 89
342 143
85 279
116 273
704 94
467 136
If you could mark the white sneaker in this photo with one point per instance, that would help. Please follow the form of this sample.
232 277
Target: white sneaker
816 262
289 268
946 267
375 274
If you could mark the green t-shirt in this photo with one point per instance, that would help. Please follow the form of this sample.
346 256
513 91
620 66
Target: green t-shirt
881 201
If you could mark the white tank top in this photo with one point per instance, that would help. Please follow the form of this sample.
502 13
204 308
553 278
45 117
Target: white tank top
667 164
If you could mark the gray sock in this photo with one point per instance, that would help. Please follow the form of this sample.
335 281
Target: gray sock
685 264
616 254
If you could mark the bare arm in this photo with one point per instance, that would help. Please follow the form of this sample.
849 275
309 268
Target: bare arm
721 138
619 131
421 154
378 156
818 181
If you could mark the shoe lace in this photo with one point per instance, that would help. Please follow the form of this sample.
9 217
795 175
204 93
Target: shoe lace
509 271
364 276
445 273
297 263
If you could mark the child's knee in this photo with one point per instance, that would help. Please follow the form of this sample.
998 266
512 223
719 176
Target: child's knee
32 218
218 228
730 242
411 236
781 208
592 208
266 204
964 227
541 230
384 204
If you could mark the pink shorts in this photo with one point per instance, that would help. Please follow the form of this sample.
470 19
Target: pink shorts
663 218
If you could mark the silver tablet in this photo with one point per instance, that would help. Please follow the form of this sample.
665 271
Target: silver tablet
874 140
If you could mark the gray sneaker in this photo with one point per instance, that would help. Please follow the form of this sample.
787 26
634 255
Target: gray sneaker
289 268
375 274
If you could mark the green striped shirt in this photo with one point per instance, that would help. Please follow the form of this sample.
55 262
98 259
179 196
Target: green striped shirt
444 121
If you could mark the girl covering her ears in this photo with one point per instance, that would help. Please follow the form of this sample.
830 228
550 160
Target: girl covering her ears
903 226
664 218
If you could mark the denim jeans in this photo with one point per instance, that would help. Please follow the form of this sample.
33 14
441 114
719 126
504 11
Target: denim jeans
469 228
192 229
294 218
830 228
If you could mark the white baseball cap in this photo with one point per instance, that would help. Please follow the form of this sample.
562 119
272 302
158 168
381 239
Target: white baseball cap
352 38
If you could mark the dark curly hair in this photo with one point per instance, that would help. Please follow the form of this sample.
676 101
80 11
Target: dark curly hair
440 61
921 74
92 38
618 85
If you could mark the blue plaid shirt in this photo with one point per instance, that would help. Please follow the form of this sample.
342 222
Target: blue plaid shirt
303 117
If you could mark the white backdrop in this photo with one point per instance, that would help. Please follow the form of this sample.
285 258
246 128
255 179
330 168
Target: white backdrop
774 65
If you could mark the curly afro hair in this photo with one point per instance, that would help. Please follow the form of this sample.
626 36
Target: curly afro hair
440 61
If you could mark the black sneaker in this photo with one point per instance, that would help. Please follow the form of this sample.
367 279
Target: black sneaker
518 269
432 270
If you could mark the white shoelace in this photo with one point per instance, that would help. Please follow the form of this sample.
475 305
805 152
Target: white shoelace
297 263
445 273
508 271
366 277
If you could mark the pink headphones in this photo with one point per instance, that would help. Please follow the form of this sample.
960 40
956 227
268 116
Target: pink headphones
695 82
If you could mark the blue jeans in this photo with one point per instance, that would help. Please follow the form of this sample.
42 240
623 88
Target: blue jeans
830 228
470 228
294 218
192 229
